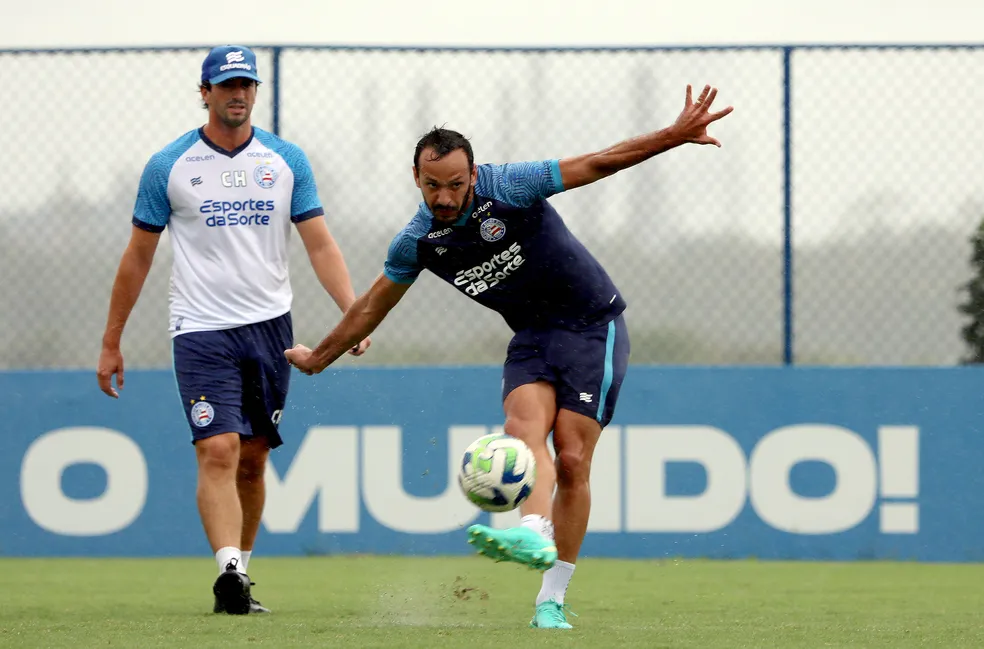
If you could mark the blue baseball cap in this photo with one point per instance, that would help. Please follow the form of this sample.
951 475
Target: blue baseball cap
228 62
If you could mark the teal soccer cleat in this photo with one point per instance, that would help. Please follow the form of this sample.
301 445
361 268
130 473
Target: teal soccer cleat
518 544
550 615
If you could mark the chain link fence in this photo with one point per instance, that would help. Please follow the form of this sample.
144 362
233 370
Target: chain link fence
885 199
882 179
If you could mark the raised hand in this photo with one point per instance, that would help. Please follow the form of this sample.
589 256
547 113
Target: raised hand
692 123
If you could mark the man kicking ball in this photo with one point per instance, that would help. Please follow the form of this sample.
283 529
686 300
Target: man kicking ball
489 231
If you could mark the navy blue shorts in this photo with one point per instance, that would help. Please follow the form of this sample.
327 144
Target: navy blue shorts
235 380
586 368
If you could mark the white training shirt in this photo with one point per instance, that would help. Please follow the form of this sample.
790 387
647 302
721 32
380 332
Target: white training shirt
229 215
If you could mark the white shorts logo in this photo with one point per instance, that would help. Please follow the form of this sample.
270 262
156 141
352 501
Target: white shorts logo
202 414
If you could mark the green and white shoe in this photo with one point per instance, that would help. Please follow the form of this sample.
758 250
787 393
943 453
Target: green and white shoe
550 615
518 544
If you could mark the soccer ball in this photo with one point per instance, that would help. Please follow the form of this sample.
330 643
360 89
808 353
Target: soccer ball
497 473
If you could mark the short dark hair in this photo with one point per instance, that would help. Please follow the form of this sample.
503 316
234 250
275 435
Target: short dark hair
443 141
204 85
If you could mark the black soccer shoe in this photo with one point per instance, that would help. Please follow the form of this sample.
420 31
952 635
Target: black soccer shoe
231 591
255 607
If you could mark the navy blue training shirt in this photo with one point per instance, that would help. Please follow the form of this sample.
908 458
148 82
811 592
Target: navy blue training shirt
511 253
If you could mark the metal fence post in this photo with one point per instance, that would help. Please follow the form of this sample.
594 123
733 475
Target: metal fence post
787 208
276 90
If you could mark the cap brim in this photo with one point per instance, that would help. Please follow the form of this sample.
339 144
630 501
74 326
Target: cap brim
234 74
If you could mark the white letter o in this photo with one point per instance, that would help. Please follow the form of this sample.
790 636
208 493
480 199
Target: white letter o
778 505
115 509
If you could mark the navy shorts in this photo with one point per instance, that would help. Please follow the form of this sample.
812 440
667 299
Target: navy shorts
235 380
586 368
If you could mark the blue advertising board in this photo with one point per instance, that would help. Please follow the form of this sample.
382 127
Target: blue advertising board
797 463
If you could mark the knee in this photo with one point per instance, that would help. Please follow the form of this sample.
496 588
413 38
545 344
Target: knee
219 454
531 433
573 466
526 430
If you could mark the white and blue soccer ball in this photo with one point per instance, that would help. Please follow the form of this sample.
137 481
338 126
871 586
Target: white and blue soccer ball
497 472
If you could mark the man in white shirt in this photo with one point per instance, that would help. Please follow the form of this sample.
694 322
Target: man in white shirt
229 193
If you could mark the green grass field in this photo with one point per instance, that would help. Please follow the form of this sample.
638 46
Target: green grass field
470 602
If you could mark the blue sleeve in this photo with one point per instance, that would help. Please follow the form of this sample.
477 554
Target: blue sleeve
153 209
401 260
304 202
520 183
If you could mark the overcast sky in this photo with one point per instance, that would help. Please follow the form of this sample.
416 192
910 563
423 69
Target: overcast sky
63 23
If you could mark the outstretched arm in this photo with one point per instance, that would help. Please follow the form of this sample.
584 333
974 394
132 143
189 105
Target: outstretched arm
359 321
690 126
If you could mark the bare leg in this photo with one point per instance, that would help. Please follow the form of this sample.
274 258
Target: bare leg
251 487
218 500
530 412
575 438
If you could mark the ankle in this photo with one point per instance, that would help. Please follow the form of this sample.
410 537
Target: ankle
230 556
555 583
539 524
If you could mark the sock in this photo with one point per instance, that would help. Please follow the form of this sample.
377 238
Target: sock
229 554
555 582
539 524
246 555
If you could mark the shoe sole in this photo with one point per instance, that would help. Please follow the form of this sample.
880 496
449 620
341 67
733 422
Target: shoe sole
485 541
231 593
